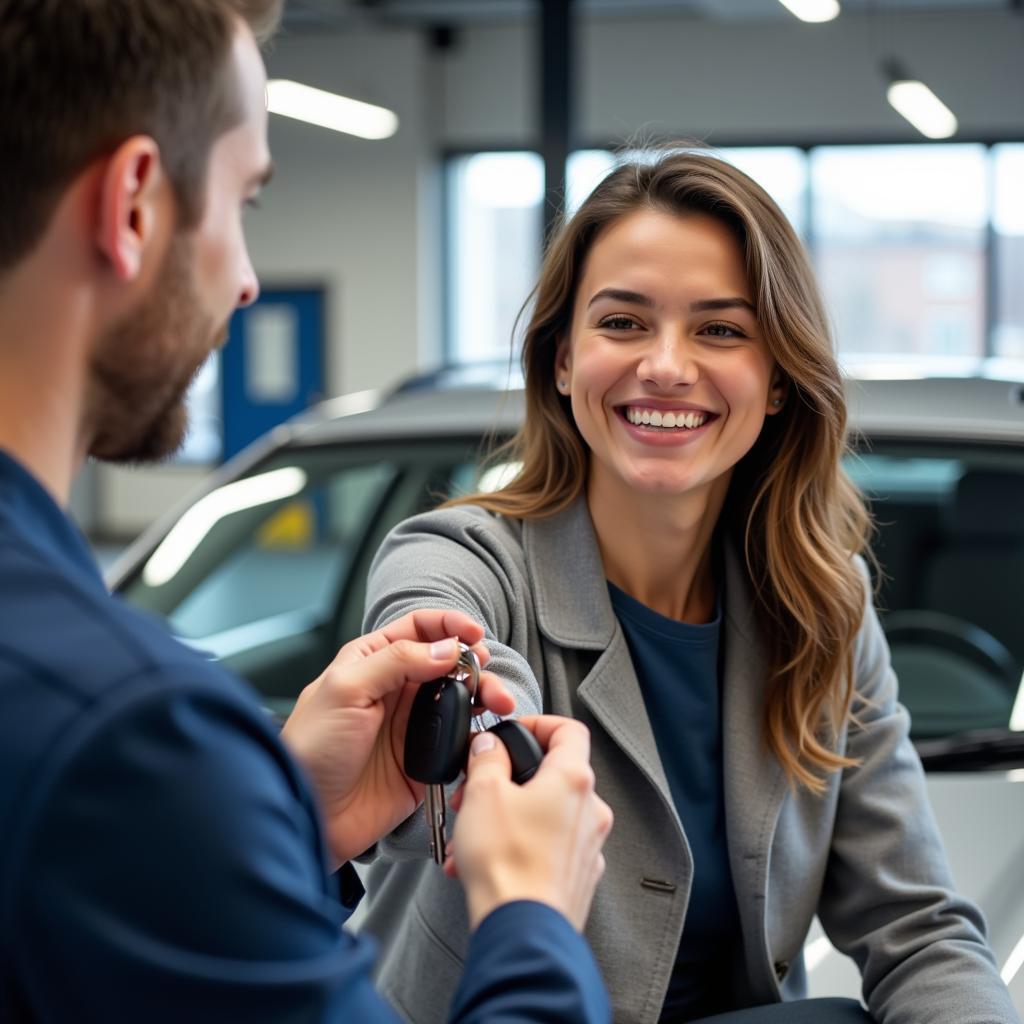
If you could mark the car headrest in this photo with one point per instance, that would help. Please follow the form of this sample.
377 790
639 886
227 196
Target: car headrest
989 504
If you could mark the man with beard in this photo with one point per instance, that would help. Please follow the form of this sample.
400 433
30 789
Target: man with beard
166 855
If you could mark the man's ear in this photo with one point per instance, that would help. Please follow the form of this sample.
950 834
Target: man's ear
563 366
132 198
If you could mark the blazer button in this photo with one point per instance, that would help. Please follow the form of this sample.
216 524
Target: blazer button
781 969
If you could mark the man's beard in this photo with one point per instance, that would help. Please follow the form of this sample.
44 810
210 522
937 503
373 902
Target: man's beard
142 368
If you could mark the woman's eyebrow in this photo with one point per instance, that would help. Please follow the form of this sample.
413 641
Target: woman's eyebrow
705 305
701 306
622 295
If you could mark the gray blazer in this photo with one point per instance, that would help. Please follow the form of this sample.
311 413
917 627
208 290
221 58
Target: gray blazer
866 856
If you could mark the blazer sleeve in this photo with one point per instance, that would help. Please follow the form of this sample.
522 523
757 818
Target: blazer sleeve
471 561
888 900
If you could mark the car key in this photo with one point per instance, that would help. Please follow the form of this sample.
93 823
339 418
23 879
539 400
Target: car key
523 749
437 740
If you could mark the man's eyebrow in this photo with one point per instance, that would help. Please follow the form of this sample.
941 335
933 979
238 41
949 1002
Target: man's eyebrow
621 295
261 178
734 302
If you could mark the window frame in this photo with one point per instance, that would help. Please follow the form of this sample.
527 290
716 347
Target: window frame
990 303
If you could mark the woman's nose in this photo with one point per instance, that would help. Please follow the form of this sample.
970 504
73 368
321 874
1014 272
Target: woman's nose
669 362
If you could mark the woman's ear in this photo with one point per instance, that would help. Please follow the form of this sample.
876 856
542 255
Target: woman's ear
563 367
777 393
132 197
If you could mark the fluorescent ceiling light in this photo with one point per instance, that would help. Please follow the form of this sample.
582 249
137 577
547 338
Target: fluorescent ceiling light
812 10
190 530
329 110
922 108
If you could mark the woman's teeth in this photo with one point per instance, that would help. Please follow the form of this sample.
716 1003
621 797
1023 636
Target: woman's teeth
665 420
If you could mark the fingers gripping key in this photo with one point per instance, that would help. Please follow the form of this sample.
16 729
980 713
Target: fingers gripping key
437 741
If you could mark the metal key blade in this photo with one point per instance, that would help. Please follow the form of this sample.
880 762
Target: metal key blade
434 806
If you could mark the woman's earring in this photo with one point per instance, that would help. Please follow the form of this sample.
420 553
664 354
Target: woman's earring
776 402
563 385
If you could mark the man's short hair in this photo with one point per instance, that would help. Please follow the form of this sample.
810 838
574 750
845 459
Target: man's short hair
79 77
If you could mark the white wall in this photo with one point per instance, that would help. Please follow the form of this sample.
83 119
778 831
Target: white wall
364 218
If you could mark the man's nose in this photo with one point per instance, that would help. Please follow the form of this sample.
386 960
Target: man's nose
250 287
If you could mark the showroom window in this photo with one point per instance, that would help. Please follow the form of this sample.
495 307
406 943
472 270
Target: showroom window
494 224
916 246
899 245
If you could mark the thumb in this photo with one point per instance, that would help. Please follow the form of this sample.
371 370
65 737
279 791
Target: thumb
392 667
488 758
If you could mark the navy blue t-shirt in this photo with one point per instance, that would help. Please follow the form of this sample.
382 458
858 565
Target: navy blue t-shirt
676 664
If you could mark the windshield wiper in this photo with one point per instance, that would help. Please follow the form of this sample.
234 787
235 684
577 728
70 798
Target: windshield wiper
971 751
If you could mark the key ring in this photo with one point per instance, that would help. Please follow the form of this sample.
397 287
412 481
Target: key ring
470 665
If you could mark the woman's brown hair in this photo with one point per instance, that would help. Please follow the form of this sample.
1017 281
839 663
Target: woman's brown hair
796 514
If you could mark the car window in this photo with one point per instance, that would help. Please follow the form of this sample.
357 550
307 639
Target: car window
284 540
258 556
291 561
950 546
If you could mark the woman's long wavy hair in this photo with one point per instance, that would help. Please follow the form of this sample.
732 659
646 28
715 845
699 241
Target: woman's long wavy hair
796 514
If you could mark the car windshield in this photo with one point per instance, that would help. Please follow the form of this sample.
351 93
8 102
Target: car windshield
268 572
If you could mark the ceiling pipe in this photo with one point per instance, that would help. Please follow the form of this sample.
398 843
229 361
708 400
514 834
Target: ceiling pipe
557 110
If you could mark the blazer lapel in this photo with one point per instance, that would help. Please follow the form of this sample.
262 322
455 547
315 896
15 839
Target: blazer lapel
755 784
574 611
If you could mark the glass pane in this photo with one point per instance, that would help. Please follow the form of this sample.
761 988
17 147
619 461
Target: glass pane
1008 223
782 173
900 251
584 171
495 227
263 546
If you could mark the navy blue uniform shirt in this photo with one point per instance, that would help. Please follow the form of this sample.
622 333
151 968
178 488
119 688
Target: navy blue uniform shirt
162 857
676 665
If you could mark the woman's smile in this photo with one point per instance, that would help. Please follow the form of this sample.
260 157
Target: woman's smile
650 423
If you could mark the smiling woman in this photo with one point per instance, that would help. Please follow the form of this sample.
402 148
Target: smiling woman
679 564
668 375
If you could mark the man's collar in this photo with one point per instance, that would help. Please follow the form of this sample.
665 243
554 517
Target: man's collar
31 509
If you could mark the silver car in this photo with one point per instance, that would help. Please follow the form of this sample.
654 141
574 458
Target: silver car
266 568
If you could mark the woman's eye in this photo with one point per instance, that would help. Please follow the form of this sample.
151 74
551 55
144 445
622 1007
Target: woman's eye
619 323
723 331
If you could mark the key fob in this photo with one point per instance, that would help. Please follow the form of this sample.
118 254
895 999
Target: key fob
523 749
437 737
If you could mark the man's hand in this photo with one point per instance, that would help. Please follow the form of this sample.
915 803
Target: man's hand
539 841
348 727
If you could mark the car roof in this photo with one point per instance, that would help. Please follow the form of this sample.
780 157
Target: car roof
942 408
938 408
